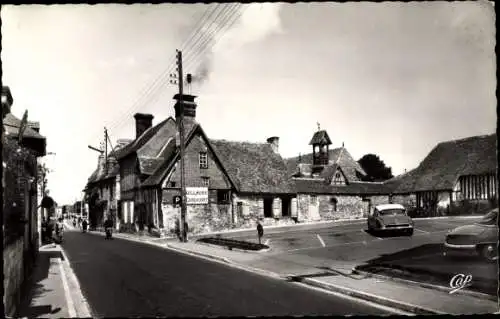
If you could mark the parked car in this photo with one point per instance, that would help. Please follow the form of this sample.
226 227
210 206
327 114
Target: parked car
480 238
390 217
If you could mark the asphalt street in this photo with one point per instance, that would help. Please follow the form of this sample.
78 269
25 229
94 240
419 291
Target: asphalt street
121 278
306 250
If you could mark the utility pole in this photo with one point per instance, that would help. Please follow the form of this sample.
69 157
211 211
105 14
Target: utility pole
105 150
182 150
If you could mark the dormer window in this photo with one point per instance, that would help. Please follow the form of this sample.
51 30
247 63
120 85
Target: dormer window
203 160
338 179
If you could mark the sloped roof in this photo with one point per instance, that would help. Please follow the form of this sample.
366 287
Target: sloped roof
447 162
168 153
254 166
12 125
141 140
318 186
154 146
320 137
337 156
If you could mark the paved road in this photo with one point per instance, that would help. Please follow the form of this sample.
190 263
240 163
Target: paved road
120 278
346 245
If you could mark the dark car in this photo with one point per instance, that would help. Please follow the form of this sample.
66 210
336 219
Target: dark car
390 217
480 238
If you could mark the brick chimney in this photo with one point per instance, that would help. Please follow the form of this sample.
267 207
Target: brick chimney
189 107
274 141
142 123
35 126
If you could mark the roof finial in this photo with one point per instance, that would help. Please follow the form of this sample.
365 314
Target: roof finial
318 126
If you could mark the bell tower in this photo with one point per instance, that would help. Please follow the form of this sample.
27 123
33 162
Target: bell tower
320 143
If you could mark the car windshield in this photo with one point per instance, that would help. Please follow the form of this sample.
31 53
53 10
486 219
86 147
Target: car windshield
490 218
388 212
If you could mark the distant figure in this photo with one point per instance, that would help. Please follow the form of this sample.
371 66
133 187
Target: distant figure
260 231
84 225
59 230
108 227
185 230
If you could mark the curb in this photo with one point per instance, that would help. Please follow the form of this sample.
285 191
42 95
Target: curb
464 292
80 305
236 249
447 217
190 252
372 298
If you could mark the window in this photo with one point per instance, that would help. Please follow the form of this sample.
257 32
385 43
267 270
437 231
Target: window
206 181
334 201
203 160
337 179
171 184
222 196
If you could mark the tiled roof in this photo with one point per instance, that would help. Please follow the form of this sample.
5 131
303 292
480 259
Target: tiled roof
141 140
12 125
320 137
159 169
254 166
447 162
149 164
319 186
339 156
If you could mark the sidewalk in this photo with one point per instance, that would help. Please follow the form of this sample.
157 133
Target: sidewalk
54 291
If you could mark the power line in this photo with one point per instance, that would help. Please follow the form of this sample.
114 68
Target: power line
147 88
163 75
151 92
207 34
233 21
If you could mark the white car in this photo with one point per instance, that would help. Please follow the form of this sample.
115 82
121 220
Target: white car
390 217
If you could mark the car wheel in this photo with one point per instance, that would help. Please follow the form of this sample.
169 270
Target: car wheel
489 252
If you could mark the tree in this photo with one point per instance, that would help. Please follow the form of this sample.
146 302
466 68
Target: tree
375 168
42 178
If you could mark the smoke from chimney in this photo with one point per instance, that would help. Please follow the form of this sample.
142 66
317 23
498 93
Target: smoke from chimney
257 22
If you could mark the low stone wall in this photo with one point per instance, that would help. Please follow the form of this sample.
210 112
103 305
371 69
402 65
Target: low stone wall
407 200
13 261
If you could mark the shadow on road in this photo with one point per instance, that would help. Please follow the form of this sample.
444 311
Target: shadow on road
426 263
33 288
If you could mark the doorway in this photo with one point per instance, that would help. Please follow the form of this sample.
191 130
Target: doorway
268 207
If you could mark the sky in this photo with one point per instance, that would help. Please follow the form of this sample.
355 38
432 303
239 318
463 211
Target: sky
389 78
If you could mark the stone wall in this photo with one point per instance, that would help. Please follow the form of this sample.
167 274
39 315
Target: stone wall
334 207
13 270
407 200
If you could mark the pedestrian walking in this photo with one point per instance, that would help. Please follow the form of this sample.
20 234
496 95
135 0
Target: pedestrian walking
185 230
260 231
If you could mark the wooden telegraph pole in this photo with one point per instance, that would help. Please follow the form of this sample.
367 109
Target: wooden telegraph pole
182 150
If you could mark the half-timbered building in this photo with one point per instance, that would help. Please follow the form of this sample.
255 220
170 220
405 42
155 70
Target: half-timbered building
454 173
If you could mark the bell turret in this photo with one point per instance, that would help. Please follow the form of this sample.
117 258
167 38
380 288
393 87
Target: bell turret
320 142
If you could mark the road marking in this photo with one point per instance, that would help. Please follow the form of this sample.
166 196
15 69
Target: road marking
321 240
69 301
423 231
